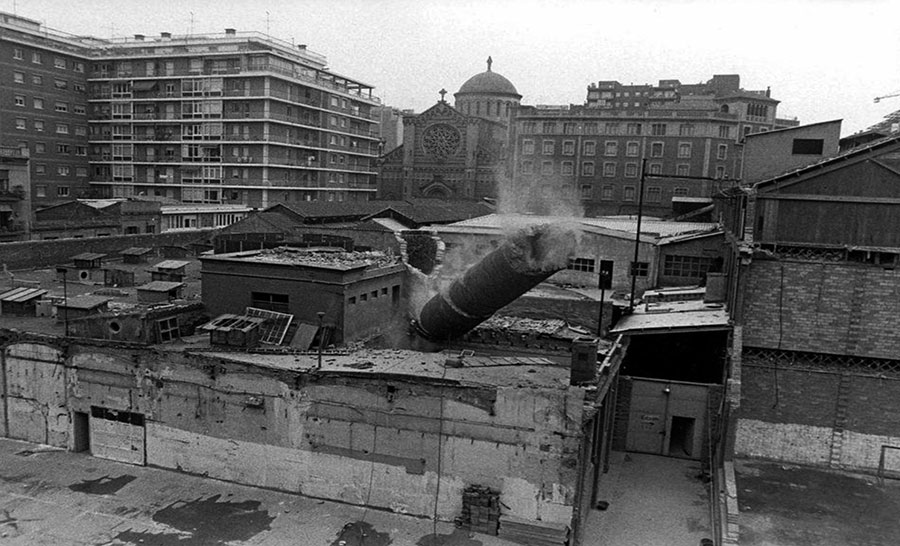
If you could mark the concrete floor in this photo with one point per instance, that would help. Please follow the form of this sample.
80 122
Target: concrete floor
653 501
790 505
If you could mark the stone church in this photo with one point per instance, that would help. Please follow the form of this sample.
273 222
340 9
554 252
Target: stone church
454 152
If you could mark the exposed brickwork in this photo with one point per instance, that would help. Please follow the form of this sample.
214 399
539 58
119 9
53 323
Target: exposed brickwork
837 308
481 509
779 395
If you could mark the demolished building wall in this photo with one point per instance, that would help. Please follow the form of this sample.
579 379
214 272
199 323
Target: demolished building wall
347 434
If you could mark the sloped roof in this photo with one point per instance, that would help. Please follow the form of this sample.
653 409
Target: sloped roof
852 154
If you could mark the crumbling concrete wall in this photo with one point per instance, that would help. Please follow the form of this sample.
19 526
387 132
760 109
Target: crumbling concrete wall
327 435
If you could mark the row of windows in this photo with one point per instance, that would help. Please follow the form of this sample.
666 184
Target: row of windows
40 190
39 125
615 128
686 266
611 148
374 294
653 194
59 106
609 169
37 79
63 170
41 148
58 62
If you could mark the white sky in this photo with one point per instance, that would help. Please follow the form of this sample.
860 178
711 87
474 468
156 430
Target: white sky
824 59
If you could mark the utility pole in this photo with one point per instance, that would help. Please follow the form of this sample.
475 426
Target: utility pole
64 272
637 235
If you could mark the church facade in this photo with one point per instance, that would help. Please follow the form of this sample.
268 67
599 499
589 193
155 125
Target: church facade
454 152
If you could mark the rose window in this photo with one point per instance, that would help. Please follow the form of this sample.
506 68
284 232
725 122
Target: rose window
441 140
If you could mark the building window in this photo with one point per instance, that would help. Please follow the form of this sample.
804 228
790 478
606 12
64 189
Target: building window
568 168
529 127
19 77
656 149
40 147
59 62
62 148
724 131
79 67
632 149
38 104
685 129
548 127
547 147
60 84
658 129
41 170
611 148
568 128
20 123
37 79
62 128
640 269
39 125
581 264
655 168
691 267
568 147
654 194
808 146
720 171
722 151
611 128
684 149
81 172
680 191
683 169
79 109
18 53
591 128
273 302
631 170
590 147
606 193
36 58
587 168
747 130
62 171
528 147
168 329
628 193
62 191
81 130
586 191
546 167
62 107
633 128
609 169
19 100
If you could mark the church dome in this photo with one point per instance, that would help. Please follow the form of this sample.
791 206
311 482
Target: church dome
489 83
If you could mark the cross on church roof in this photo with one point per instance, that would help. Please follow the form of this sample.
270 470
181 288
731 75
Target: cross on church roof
442 92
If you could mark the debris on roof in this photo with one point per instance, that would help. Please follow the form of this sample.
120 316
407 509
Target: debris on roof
326 257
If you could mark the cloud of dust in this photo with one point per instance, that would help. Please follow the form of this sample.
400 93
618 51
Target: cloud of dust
546 195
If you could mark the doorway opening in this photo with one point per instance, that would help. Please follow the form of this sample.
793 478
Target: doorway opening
681 437
81 432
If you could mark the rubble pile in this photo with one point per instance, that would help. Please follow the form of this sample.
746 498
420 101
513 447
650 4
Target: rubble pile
523 325
327 257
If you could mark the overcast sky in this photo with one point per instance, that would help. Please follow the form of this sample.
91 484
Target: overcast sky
825 59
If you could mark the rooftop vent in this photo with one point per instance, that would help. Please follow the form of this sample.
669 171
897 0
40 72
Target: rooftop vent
139 37
230 32
165 35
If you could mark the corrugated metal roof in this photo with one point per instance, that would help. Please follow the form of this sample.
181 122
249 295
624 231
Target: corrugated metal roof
21 294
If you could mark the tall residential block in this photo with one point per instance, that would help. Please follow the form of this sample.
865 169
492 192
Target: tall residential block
229 118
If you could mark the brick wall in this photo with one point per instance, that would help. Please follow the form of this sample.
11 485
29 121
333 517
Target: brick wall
33 254
837 308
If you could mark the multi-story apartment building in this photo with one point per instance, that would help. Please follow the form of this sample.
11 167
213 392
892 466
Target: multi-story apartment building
43 106
231 118
593 154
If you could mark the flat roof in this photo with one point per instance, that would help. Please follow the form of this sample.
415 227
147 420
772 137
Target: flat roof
160 286
88 256
171 264
85 302
627 224
674 316
337 259
135 251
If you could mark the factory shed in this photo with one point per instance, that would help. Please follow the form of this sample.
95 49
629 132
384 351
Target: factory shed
20 301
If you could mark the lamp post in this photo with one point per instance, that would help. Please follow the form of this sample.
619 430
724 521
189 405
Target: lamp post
63 271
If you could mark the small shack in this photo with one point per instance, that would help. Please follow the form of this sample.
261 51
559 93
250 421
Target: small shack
234 330
159 291
81 306
169 270
20 301
118 276
88 260
135 255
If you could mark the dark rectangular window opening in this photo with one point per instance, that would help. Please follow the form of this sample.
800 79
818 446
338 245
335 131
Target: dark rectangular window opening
808 146
273 302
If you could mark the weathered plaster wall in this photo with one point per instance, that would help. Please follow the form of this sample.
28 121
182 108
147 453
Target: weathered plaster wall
327 435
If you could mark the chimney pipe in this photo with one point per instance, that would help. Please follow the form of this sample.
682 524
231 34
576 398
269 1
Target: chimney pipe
230 32
139 37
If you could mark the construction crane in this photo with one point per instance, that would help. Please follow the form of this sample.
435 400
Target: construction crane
879 99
